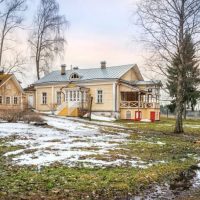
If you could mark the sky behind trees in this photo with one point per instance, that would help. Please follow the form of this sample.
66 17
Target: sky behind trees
98 30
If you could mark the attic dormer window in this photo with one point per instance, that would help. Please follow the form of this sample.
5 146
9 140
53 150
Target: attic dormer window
74 76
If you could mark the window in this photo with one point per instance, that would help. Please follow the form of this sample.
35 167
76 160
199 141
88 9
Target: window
66 96
99 96
44 98
58 98
71 96
78 96
74 95
74 76
128 114
1 100
150 98
15 100
84 96
8 100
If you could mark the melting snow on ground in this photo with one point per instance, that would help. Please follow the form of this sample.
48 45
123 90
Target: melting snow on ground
66 141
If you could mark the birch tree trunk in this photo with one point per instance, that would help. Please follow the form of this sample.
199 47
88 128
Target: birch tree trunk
38 69
179 107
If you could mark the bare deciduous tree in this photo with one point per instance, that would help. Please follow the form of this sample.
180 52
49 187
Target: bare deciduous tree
47 39
166 23
16 65
11 19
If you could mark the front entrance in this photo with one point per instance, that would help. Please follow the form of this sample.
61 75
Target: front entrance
138 115
152 116
75 101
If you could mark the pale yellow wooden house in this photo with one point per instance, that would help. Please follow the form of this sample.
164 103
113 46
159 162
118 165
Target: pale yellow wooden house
11 93
118 92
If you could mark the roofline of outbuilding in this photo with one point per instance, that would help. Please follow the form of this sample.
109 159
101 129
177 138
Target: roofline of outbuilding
12 76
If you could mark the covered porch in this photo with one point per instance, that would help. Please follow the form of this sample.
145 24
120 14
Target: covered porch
73 101
139 103
140 99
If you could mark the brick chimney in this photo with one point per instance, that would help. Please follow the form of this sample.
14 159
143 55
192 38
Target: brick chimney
63 69
103 65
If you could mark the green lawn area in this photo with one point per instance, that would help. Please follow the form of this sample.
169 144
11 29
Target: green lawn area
167 155
191 126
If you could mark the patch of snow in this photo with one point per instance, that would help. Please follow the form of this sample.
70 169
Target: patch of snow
14 152
101 118
150 142
44 112
145 120
66 141
192 126
160 143
196 181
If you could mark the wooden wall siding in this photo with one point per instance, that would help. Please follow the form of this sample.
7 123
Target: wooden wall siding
9 89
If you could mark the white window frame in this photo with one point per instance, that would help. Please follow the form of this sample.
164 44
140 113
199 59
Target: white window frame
78 96
9 100
74 96
150 98
74 76
71 95
84 96
128 114
17 100
66 96
99 99
44 98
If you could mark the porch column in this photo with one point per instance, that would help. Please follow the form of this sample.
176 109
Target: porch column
139 99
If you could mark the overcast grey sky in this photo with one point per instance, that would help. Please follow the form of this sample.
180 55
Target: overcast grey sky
99 30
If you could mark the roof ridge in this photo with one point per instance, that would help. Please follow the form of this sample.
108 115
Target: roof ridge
97 67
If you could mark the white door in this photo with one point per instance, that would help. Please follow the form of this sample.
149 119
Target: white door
30 101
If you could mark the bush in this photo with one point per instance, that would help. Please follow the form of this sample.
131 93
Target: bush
19 115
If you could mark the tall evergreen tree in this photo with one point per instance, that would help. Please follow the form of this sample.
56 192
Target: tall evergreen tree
190 74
